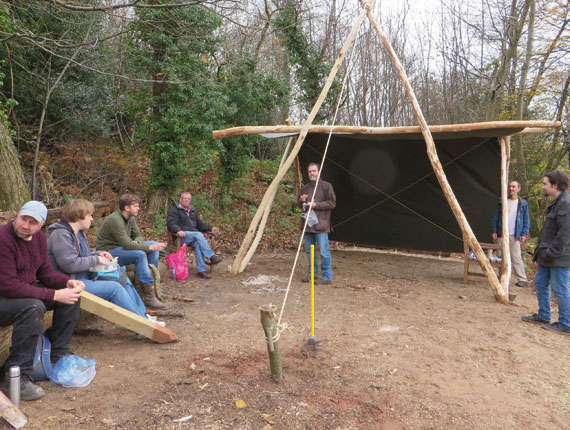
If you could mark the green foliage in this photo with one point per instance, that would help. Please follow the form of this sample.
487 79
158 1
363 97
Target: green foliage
6 103
310 69
79 105
252 96
159 223
175 116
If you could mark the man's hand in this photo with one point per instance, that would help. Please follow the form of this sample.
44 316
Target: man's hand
314 205
74 283
158 246
215 230
71 294
181 234
523 239
303 198
494 236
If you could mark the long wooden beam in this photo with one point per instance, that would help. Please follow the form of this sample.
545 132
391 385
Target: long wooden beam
500 293
532 126
124 318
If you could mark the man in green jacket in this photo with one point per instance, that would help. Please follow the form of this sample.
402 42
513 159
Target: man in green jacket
121 237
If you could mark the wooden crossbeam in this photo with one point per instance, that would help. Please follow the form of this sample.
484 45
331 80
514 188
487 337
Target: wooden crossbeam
120 316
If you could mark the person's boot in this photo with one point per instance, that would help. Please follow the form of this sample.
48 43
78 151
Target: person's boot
28 390
149 297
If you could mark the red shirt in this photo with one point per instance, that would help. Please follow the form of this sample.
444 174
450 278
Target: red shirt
24 262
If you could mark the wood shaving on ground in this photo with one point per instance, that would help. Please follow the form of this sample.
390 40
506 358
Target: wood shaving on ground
265 283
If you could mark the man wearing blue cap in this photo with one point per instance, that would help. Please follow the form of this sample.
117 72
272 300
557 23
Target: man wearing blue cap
29 286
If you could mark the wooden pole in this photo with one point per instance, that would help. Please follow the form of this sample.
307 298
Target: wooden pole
526 126
500 293
266 213
298 177
235 268
267 314
506 249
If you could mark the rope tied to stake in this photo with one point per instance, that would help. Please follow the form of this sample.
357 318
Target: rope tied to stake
280 328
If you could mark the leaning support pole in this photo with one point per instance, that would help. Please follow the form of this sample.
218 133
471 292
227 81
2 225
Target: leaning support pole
238 265
500 293
270 328
505 241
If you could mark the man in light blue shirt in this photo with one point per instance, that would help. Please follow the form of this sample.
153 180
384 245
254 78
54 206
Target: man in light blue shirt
518 227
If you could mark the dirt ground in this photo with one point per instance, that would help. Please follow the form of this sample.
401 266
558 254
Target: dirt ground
403 344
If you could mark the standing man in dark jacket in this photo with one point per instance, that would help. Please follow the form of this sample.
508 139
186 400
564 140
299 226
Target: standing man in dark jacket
518 228
318 233
28 287
184 222
553 255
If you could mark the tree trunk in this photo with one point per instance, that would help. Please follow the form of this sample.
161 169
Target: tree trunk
521 104
13 189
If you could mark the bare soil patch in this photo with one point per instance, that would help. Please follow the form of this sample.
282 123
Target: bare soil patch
402 345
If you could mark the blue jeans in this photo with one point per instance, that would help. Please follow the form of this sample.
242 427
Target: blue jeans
557 278
140 259
322 241
125 297
201 248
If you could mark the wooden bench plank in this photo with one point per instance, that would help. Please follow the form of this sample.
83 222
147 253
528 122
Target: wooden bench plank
125 318
11 413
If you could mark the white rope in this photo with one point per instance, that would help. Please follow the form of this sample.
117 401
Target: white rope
316 183
280 329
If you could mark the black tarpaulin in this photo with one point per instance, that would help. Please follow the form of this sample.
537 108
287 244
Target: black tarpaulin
388 194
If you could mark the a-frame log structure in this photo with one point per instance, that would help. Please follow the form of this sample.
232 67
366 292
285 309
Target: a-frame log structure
499 287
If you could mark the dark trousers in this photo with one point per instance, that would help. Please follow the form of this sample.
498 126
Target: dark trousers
27 318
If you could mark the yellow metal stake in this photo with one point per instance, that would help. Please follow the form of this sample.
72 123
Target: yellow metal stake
312 339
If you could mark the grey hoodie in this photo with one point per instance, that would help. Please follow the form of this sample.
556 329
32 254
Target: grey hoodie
69 254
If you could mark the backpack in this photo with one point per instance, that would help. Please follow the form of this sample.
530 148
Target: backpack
41 370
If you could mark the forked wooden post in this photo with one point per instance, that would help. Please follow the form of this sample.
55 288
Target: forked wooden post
506 249
240 263
270 328
500 293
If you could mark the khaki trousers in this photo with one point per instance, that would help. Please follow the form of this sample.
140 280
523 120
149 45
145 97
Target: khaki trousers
516 258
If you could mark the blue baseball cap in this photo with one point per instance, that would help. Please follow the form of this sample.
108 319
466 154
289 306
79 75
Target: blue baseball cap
35 209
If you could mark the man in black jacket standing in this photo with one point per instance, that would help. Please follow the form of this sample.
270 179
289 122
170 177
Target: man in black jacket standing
553 255
184 222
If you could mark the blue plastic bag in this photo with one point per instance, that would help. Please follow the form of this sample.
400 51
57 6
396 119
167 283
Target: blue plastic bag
73 371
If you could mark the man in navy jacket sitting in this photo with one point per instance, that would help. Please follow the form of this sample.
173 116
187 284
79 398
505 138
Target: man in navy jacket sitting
184 222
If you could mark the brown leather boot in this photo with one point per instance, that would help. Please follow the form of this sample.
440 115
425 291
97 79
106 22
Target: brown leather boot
149 297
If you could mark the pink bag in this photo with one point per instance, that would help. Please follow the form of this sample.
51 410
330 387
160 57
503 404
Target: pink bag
177 261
